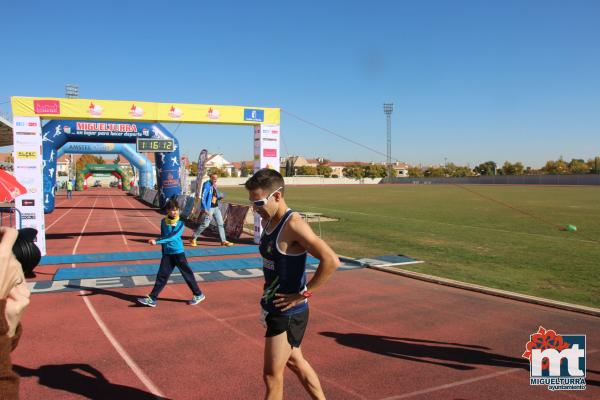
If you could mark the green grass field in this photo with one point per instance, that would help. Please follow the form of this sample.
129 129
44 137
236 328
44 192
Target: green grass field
505 237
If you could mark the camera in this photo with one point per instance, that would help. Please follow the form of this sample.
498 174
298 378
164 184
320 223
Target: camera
26 251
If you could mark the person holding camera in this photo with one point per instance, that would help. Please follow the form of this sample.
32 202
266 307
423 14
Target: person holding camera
14 298
210 209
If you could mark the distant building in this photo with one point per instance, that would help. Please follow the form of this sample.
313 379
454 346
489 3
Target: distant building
337 167
237 166
218 161
6 161
298 161
401 169
62 165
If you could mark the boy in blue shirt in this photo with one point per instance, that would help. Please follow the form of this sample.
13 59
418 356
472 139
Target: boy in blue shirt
173 256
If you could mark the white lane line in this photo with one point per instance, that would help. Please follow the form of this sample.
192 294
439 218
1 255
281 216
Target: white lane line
111 338
454 384
142 214
122 352
118 222
83 229
62 216
459 383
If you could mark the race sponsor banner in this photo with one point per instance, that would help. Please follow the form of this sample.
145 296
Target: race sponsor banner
266 147
187 208
27 139
181 202
236 216
266 155
149 196
60 108
195 212
57 134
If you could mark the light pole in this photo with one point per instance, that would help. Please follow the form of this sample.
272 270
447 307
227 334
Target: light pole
71 92
387 109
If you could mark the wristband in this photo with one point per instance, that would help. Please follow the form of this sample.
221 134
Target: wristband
305 293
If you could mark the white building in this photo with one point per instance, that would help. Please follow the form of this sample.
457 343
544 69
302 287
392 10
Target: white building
218 161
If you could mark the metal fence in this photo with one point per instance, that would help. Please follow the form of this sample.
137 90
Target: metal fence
506 180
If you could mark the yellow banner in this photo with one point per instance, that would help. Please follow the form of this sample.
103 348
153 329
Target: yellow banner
57 108
27 155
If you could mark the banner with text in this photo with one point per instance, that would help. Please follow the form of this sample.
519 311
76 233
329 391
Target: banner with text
266 155
60 108
27 155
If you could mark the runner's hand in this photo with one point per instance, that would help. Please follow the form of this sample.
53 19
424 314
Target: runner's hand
152 241
286 301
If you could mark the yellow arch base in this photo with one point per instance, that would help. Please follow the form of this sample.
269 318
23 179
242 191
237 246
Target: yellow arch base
58 108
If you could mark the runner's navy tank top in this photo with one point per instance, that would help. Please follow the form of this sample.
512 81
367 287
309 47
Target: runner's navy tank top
284 273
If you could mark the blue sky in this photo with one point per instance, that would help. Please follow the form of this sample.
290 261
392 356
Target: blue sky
471 80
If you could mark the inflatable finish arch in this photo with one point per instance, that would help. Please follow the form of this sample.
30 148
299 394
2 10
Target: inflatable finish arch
126 150
114 170
58 132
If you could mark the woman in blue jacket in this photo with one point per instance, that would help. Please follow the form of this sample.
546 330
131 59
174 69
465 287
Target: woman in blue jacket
210 209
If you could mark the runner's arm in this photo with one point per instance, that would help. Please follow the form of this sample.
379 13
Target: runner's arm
173 236
301 233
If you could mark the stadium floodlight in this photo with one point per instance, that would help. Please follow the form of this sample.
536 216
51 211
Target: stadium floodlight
71 91
387 109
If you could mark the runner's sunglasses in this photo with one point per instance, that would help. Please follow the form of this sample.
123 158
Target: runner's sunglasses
262 202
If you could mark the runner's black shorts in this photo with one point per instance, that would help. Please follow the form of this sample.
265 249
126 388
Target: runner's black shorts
294 325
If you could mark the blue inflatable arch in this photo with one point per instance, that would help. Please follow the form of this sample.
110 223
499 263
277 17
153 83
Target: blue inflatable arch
136 159
57 133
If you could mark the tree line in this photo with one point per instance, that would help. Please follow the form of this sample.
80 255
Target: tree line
576 166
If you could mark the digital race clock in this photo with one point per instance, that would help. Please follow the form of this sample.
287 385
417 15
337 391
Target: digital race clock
154 145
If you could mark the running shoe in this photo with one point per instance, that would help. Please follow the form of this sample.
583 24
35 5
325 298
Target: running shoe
147 301
196 299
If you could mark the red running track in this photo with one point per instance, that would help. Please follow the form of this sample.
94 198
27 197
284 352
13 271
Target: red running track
372 335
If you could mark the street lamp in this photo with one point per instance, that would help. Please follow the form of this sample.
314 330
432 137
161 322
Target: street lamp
387 109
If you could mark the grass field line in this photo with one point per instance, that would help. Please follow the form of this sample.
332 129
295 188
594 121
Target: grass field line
456 225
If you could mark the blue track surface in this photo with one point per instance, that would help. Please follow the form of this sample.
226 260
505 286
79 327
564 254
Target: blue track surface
143 255
152 269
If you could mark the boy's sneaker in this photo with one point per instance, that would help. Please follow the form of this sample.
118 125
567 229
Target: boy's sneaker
193 243
147 301
226 244
196 299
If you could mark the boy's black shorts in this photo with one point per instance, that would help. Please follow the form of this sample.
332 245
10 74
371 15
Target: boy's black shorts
294 325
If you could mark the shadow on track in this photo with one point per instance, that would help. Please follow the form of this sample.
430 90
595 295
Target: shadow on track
121 296
450 355
84 380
